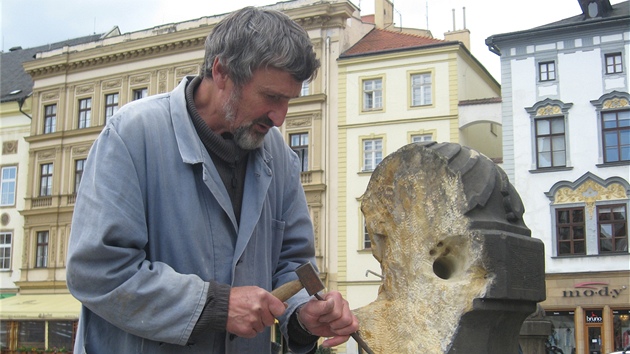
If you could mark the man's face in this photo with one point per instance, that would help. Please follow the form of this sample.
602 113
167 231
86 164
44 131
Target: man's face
253 109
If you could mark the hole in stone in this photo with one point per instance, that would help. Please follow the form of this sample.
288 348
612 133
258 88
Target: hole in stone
432 252
444 267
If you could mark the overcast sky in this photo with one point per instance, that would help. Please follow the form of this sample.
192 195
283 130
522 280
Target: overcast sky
30 23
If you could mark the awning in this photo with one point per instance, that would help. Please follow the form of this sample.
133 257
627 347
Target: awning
40 306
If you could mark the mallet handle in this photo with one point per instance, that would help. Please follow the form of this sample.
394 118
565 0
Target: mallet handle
285 291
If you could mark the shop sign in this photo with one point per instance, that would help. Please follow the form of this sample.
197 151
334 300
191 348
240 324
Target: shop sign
593 288
594 316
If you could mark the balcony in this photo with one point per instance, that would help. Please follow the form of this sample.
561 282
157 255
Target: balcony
41 202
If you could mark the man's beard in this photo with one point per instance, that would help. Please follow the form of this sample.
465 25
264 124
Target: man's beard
245 136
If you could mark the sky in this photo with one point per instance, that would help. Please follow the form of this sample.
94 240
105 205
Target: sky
31 23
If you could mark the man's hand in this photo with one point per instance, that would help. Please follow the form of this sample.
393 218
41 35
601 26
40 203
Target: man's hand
330 317
251 309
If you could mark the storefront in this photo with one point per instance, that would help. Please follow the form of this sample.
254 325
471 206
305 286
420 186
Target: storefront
590 312
45 322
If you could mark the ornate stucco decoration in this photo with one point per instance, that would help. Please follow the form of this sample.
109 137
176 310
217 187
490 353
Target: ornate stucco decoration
612 100
50 95
9 147
112 84
548 107
589 189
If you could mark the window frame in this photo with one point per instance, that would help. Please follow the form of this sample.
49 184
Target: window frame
423 87
547 71
306 88
84 113
78 173
4 245
614 239
139 93
374 95
372 153
111 107
302 149
550 138
571 224
50 118
46 171
11 182
41 248
618 131
617 63
366 243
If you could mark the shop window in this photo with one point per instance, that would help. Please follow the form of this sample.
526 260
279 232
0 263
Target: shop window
60 334
562 330
31 334
621 329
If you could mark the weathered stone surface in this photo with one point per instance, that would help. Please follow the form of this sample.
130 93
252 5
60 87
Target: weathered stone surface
460 270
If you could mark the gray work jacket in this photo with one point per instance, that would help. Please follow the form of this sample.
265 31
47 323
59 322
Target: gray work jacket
153 225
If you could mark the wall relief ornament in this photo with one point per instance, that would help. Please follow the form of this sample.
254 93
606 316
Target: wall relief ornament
137 80
81 90
108 85
615 103
51 95
589 193
9 147
549 110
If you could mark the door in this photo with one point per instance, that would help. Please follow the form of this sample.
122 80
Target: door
594 339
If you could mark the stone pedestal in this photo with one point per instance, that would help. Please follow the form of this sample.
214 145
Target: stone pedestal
461 272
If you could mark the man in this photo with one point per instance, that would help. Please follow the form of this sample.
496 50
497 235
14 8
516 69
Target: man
191 209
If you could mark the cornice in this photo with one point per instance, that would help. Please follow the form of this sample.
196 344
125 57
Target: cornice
116 54
320 15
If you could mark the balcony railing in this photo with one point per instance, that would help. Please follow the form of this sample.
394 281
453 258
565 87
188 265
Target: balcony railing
42 202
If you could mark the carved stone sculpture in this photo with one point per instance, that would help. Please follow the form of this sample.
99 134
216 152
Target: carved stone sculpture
460 270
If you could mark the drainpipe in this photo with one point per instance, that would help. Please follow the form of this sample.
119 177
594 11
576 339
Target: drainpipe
20 102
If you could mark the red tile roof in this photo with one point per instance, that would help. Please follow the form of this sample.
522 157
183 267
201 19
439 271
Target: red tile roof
382 41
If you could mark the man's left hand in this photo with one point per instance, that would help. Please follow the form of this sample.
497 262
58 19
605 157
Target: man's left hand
330 317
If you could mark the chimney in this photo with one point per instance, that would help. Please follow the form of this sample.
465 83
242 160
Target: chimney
383 14
462 35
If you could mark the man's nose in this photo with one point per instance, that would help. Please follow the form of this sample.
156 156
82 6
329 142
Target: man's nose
279 113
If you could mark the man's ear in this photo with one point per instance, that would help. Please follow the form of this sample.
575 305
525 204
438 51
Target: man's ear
219 73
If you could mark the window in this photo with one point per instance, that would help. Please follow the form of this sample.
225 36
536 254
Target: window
372 153
550 143
306 89
613 63
5 250
419 138
570 231
299 144
31 334
612 223
140 93
111 105
46 175
41 260
85 112
421 89
50 118
61 334
546 71
78 173
372 94
616 136
7 186
367 243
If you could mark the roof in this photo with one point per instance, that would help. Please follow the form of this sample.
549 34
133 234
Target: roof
619 14
379 41
13 78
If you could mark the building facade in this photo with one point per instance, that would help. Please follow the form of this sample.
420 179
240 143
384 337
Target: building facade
566 125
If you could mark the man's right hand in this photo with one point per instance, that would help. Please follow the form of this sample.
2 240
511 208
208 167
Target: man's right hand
251 309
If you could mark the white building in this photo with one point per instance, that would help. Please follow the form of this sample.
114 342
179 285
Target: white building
566 126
